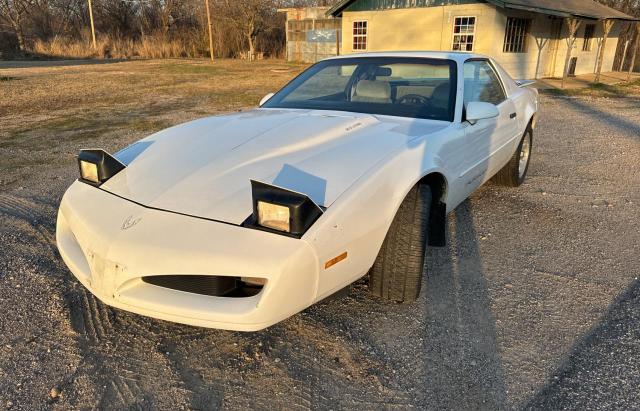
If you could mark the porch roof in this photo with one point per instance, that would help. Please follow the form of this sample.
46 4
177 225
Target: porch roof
587 9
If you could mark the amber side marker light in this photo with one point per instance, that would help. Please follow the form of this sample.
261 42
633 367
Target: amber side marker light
335 260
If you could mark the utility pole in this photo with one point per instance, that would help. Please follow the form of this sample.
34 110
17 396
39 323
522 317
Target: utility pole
210 32
93 29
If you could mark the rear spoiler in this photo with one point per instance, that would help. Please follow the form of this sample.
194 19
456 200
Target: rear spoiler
525 83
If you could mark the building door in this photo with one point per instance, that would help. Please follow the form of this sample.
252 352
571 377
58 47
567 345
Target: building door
572 66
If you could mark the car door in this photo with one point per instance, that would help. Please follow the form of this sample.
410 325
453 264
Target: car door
490 141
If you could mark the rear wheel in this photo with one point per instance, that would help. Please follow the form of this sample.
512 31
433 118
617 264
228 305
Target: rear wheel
514 173
397 272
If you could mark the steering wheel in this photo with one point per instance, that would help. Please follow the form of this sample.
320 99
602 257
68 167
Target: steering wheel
414 99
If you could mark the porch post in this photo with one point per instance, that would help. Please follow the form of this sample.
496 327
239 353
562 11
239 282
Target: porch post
624 53
627 41
573 25
636 46
606 26
541 43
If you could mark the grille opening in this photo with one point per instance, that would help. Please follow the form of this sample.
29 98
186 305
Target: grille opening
211 285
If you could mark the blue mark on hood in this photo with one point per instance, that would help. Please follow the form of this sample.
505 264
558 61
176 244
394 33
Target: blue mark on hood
129 153
293 178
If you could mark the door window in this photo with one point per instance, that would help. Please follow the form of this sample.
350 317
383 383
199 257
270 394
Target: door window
481 83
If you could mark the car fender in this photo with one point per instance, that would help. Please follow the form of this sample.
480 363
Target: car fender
531 109
359 219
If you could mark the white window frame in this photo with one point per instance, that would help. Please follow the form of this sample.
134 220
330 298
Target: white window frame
454 34
365 35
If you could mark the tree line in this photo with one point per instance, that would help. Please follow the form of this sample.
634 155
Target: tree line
629 36
146 28
164 28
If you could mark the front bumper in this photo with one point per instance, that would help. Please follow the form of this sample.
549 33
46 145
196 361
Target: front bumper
110 243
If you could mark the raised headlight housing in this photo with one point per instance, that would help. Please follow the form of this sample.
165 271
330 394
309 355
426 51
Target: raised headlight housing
97 166
280 210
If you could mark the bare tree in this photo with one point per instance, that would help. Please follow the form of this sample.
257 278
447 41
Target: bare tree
15 12
251 17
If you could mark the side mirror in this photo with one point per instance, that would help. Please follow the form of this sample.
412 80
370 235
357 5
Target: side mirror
265 99
477 110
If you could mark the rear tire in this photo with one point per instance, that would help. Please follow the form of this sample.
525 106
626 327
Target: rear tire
397 272
515 171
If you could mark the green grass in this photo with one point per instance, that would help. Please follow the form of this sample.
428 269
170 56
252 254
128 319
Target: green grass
80 129
6 78
146 125
188 69
602 90
71 123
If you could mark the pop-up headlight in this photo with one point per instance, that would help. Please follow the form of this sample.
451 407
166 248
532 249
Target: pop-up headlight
276 208
274 216
97 166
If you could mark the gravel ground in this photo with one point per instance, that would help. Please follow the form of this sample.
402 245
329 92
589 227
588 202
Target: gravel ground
535 304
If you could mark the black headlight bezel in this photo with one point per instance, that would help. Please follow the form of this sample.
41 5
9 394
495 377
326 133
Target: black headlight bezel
107 165
303 211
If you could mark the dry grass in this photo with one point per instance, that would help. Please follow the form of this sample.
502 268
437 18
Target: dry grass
49 111
112 47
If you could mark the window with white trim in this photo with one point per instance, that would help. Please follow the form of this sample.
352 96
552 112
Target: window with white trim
589 31
360 35
516 34
464 32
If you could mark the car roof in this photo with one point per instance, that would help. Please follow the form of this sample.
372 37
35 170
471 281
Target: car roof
442 55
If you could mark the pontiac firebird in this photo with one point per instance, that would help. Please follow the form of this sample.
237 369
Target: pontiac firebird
241 220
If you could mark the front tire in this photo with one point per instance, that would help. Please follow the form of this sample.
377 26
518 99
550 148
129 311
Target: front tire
396 274
514 173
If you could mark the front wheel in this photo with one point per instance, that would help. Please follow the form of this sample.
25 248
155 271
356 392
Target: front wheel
514 173
397 272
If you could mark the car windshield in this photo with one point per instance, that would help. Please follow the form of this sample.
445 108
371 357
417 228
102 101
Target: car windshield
396 86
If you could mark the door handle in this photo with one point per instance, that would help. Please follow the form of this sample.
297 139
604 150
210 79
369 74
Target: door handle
513 115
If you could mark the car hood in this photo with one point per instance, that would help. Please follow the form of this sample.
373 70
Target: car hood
203 168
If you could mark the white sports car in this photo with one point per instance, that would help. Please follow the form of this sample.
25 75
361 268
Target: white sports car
242 220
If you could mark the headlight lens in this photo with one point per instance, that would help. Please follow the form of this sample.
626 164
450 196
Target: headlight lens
89 171
274 216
